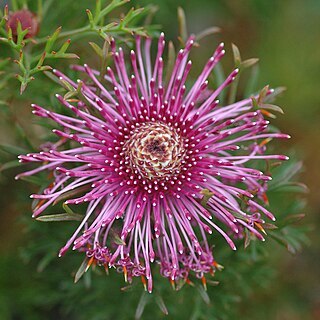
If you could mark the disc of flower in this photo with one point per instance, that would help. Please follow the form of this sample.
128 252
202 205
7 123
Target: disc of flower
144 154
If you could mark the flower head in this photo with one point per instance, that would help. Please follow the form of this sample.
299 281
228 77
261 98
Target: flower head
160 165
28 21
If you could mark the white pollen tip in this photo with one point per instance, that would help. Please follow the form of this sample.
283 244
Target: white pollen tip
57 96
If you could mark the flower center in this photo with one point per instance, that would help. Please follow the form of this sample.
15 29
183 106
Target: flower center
155 150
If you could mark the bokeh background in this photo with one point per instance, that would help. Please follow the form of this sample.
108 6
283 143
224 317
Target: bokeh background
285 35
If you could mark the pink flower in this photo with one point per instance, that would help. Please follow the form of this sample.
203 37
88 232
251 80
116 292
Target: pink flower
143 153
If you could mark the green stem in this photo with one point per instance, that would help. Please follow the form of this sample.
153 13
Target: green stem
233 90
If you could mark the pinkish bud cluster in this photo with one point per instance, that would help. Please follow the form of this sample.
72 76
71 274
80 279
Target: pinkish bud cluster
27 19
143 153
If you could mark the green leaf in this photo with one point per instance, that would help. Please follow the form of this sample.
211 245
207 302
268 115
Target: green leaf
41 60
284 241
171 60
183 31
236 55
247 238
292 187
213 283
262 94
114 4
90 17
44 262
269 226
21 134
9 165
204 295
117 240
276 92
82 269
291 219
4 62
285 174
207 32
60 217
130 16
207 194
97 11
70 194
4 17
97 49
20 34
12 149
272 107
249 63
220 77
52 39
64 47
33 179
141 305
68 56
161 305
67 208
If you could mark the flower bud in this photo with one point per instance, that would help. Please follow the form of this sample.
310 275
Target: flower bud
28 21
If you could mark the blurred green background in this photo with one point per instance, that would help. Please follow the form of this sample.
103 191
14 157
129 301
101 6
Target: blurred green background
285 36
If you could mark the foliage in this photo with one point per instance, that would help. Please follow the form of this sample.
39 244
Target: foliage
51 291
